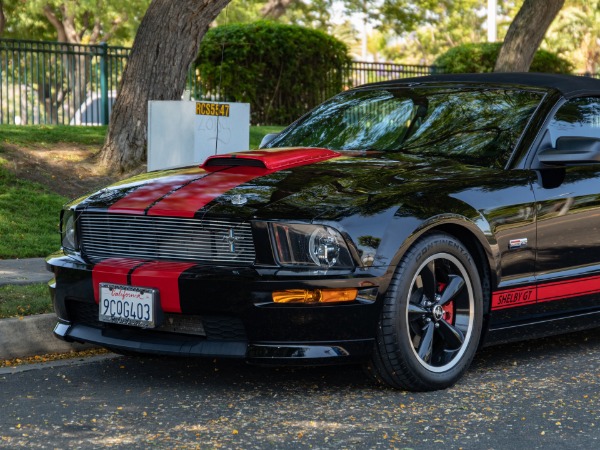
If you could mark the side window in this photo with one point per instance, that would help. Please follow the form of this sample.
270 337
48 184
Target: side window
577 117
474 127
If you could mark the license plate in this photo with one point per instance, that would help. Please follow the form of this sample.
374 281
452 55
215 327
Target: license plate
128 305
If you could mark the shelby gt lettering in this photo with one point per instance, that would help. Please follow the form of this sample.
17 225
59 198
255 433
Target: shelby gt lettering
399 225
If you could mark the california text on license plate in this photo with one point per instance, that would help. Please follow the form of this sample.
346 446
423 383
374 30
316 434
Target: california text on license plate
128 305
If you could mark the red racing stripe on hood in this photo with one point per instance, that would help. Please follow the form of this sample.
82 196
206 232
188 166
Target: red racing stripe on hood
143 197
186 201
231 171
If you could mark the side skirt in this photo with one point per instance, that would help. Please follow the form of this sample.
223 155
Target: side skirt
542 328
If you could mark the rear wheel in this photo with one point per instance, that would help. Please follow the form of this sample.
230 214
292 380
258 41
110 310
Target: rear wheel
431 320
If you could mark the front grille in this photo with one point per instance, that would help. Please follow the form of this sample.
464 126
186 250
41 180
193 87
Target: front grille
165 238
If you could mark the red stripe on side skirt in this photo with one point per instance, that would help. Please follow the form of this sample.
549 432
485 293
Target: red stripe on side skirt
114 270
138 201
565 289
163 276
549 292
511 298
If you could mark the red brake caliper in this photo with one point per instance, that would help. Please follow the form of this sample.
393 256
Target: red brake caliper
448 307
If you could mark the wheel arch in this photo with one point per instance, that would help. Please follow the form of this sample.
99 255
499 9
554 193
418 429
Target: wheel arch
472 237
479 254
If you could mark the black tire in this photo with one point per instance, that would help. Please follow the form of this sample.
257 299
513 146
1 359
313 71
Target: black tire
431 319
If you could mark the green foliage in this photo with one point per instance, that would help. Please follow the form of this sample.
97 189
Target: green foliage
281 70
240 11
430 27
112 21
478 58
574 34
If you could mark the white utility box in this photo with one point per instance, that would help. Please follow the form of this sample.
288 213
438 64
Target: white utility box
183 133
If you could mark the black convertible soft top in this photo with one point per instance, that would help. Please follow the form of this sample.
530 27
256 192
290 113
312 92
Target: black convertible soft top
567 85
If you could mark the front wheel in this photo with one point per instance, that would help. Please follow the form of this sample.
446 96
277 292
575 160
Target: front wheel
431 320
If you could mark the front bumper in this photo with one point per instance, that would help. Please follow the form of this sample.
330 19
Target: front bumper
235 315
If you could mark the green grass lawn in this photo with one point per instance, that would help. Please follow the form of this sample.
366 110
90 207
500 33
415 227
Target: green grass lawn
29 215
47 135
257 133
18 301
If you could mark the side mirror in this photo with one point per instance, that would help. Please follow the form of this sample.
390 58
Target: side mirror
572 150
268 138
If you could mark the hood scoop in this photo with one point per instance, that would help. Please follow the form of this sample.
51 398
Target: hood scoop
271 159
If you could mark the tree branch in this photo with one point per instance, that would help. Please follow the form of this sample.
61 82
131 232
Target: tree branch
114 26
85 21
274 9
57 24
95 35
69 25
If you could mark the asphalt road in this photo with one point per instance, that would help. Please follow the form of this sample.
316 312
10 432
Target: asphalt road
538 394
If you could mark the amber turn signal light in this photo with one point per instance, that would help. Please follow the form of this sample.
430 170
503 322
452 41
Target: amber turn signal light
315 296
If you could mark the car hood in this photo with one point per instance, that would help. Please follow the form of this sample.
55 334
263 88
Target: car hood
303 184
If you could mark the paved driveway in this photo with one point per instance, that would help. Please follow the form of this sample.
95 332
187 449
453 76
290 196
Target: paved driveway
539 394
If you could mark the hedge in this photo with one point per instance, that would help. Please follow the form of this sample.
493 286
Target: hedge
476 58
281 70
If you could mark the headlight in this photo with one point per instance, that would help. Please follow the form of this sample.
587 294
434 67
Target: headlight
309 245
67 230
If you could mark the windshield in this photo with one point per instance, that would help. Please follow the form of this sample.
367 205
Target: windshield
474 126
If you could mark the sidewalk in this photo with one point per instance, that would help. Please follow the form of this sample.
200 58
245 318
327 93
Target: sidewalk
24 271
31 335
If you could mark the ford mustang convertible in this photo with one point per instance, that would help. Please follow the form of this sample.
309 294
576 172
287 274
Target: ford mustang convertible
400 225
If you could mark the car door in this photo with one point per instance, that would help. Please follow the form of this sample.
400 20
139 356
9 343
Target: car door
568 216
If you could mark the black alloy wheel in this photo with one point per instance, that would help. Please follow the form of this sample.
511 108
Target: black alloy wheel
431 319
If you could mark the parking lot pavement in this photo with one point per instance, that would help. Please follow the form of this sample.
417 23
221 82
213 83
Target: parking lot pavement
541 394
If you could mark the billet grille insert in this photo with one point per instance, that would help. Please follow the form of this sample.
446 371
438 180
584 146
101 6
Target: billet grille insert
104 235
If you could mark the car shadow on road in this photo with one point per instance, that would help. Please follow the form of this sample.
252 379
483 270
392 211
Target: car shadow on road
492 362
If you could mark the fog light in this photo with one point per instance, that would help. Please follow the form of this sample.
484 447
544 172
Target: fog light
315 296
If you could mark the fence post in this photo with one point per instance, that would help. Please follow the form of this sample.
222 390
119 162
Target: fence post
104 82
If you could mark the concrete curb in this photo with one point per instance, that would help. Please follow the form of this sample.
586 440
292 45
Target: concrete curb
32 335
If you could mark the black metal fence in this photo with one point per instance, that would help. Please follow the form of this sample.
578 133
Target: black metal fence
60 83
370 72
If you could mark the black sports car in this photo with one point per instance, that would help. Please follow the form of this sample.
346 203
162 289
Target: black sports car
399 224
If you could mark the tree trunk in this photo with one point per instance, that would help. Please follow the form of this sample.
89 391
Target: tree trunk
525 34
166 43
